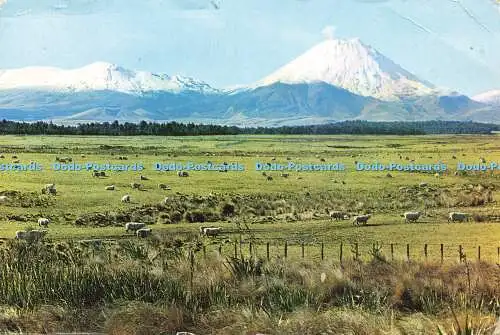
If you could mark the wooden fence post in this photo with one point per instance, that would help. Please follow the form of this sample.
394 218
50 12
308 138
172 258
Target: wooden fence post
302 246
425 251
442 253
235 249
286 249
322 251
460 253
341 251
392 251
267 250
408 252
204 251
498 254
220 249
250 248
479 253
241 249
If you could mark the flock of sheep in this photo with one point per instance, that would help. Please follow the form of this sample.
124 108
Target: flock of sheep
139 228
409 217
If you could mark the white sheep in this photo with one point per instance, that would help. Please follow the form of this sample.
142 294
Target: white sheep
163 186
212 231
43 222
37 234
4 199
202 230
126 198
456 216
338 215
110 188
49 189
412 216
143 232
165 201
361 219
134 226
31 235
136 185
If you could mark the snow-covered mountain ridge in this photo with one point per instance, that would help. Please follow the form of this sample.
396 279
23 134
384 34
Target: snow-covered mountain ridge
97 76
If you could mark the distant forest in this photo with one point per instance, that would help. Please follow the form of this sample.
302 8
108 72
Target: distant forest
190 129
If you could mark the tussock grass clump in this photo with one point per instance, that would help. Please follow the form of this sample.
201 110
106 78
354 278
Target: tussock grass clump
143 318
353 297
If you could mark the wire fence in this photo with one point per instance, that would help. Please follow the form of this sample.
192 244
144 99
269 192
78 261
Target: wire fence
436 253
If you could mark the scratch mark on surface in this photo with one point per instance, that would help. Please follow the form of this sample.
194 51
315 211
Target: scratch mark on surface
471 15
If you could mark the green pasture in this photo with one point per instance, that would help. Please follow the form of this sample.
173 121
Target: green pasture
79 192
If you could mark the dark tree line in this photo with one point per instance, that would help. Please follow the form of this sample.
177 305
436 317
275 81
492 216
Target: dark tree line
190 129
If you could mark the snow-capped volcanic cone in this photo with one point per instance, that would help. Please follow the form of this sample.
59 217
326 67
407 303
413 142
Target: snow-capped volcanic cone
354 66
97 76
489 98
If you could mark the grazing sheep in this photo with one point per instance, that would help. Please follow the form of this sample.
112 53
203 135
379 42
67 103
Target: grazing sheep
165 201
264 174
96 173
143 232
136 185
285 175
412 216
361 219
322 160
126 198
17 161
144 177
49 189
110 188
14 157
183 174
3 199
82 156
269 178
102 174
2 156
134 226
456 216
163 186
32 235
338 215
43 222
422 184
212 231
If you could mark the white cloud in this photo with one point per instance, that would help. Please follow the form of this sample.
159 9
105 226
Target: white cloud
329 32
2 2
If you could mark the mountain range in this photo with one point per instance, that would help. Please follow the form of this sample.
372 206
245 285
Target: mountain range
333 81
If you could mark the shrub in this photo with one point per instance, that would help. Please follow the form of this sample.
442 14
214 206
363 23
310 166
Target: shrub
228 209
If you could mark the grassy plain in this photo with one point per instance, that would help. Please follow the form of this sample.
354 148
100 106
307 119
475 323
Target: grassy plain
292 210
350 190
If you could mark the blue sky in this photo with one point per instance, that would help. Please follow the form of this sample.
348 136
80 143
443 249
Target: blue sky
451 43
